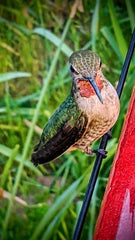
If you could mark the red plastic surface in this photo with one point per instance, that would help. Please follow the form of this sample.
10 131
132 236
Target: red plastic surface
117 215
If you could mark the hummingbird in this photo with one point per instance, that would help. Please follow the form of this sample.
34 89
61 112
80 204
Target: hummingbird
89 111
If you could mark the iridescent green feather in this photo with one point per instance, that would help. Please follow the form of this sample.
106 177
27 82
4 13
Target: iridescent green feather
67 111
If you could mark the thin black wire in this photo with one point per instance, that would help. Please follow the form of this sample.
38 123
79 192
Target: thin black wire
105 138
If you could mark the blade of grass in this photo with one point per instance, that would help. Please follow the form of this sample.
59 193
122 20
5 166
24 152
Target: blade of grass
52 226
94 25
65 176
12 75
117 30
17 26
8 152
42 32
54 39
9 127
66 197
31 130
17 199
21 111
109 37
8 165
40 13
10 9
61 236
59 203
131 14
7 103
9 48
56 221
65 228
59 172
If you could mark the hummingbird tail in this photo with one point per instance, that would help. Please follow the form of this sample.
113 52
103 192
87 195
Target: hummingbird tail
34 159
38 158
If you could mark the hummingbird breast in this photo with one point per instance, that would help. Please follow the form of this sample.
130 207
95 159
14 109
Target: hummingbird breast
101 116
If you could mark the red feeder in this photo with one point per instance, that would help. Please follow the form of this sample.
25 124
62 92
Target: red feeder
117 215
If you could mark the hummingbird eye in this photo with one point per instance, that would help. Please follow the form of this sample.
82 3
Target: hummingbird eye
73 70
100 64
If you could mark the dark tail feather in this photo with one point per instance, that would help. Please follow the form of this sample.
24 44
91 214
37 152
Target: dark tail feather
34 159
37 158
46 153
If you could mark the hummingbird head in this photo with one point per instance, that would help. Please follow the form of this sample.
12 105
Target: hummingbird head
85 67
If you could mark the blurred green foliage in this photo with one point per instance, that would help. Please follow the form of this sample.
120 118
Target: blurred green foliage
30 37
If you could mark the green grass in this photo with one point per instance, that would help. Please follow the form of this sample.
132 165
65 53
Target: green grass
34 80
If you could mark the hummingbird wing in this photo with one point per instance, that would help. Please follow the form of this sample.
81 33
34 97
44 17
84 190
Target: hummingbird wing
65 127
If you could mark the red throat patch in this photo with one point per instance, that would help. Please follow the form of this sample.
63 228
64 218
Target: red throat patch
86 89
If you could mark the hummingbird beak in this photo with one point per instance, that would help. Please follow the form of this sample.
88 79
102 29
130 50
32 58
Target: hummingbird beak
94 85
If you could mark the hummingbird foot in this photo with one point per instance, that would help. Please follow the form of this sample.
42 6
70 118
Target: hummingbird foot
89 152
101 151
